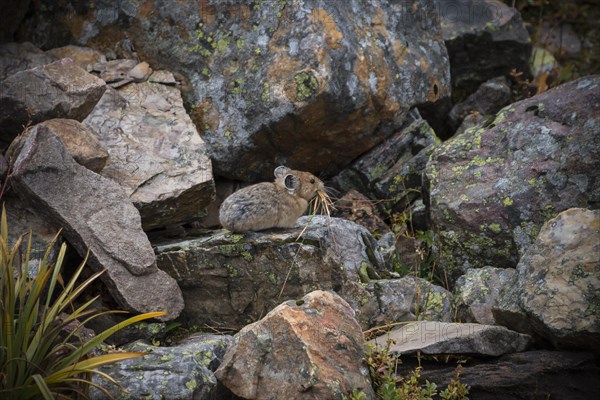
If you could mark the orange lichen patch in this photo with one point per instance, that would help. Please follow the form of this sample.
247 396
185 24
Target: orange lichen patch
332 34
434 91
208 12
282 67
206 116
146 10
399 50
424 64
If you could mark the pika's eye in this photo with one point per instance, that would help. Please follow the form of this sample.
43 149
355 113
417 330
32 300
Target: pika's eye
312 181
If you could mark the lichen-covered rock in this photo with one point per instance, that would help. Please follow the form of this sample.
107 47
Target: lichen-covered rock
306 349
229 280
559 281
304 83
155 152
485 39
392 171
494 186
182 372
431 337
57 90
408 299
15 57
476 291
96 215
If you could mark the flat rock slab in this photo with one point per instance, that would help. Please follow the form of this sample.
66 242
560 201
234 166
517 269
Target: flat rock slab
531 375
229 280
57 90
97 215
156 154
430 337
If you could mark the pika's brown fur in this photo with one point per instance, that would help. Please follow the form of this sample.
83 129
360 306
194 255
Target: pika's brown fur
270 204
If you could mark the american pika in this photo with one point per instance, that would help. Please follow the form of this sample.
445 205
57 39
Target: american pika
270 204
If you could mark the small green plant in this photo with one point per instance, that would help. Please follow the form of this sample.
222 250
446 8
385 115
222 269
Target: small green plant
42 353
390 385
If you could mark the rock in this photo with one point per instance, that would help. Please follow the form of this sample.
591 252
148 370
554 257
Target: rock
57 90
84 57
560 39
392 170
485 39
182 372
3 167
476 291
306 349
473 120
229 280
559 280
155 152
23 221
15 57
162 76
308 84
81 143
116 72
493 187
453 338
356 207
97 215
488 99
408 299
532 375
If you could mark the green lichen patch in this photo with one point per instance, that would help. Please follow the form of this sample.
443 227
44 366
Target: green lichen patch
306 86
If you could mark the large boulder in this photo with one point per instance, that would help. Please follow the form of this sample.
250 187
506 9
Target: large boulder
306 83
181 372
558 284
156 154
306 349
96 215
229 280
57 90
492 187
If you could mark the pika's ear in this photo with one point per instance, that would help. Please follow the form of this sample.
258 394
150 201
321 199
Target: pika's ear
280 171
290 182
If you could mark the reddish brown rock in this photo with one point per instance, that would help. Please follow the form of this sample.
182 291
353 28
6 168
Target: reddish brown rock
306 349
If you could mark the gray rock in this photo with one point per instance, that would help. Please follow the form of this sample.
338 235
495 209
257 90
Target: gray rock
306 349
492 188
453 338
21 222
408 299
488 99
57 90
392 171
558 283
476 292
485 39
560 39
81 143
15 57
531 375
307 83
156 154
97 215
182 372
229 280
